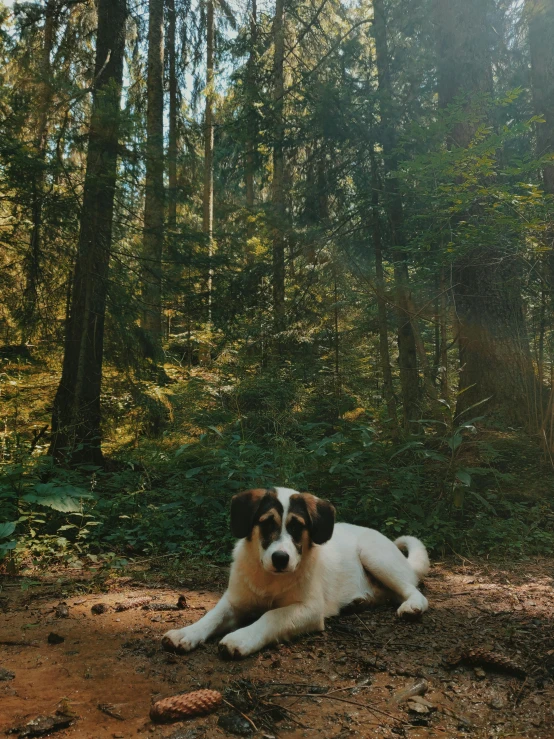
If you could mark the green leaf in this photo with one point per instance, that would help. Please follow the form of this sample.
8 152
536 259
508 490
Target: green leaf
57 502
455 441
405 447
6 529
62 498
464 477
192 472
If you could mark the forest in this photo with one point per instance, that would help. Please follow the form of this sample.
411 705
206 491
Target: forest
308 243
302 243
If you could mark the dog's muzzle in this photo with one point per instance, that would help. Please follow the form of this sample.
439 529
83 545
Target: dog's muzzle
280 560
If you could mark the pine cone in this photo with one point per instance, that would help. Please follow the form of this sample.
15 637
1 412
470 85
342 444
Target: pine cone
484 658
133 603
187 704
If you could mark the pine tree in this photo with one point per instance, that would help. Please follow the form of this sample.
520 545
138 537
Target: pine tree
76 420
153 236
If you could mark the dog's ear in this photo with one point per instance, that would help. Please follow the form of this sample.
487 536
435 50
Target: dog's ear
243 509
322 518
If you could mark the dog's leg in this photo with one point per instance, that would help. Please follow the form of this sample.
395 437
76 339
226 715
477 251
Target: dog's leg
273 626
391 568
220 619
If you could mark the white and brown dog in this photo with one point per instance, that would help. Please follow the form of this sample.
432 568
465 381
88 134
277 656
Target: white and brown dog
292 568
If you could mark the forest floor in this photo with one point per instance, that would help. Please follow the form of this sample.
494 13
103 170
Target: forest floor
340 683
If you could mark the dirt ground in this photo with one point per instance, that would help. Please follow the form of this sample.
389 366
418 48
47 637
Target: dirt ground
485 652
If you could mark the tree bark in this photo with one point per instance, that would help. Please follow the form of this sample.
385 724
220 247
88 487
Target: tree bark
540 17
76 432
153 234
384 354
208 202
172 147
407 351
495 357
278 183
32 265
251 143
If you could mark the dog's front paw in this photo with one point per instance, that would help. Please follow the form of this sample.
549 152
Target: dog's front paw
180 640
414 607
236 646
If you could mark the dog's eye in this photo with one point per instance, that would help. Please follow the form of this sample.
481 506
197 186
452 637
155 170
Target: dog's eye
295 529
268 526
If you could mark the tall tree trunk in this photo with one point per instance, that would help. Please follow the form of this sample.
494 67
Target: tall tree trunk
443 337
208 210
251 144
172 148
540 17
76 433
407 351
278 184
251 119
384 354
153 234
494 350
32 263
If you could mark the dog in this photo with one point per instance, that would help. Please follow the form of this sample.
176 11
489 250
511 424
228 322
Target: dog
293 567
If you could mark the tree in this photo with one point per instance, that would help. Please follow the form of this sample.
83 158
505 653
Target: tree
492 335
540 17
208 198
33 261
407 352
172 148
278 183
251 143
76 419
153 235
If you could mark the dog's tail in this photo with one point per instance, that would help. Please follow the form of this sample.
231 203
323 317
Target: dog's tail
417 554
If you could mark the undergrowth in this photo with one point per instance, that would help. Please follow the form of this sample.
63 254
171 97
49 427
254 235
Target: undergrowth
178 454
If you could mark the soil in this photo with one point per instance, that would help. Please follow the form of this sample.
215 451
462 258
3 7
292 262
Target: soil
485 651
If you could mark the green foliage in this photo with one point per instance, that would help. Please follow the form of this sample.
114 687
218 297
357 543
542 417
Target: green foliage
169 497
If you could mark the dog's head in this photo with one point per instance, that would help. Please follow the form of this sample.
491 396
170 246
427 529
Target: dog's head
282 524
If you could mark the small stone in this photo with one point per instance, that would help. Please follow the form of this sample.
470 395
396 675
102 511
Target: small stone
235 724
99 608
6 675
54 638
118 735
417 708
497 703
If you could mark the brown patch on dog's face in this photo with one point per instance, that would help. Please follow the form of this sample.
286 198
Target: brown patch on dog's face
297 527
269 521
319 516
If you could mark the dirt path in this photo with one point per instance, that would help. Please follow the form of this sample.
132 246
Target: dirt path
337 684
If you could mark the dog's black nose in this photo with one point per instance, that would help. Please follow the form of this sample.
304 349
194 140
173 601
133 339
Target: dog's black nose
280 560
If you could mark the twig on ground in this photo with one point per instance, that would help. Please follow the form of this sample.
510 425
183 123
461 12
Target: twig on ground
343 700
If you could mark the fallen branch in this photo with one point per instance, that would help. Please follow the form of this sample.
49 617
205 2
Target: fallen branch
342 700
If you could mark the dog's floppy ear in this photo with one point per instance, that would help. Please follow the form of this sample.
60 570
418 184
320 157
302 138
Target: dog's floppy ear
322 518
243 509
